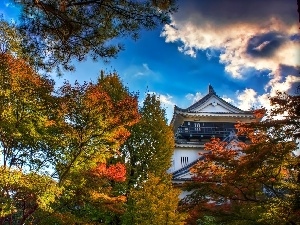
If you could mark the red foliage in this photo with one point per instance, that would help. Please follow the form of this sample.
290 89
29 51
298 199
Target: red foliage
115 172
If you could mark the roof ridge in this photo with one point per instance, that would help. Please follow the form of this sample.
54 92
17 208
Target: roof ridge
211 92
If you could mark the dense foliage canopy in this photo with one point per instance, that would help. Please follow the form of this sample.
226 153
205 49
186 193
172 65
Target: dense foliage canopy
66 155
151 198
53 142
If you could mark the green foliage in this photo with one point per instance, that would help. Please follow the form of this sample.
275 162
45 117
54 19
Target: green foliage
61 149
207 220
21 194
63 135
25 104
154 202
151 198
86 199
150 147
56 27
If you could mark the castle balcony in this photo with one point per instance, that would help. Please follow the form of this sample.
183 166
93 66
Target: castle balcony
203 132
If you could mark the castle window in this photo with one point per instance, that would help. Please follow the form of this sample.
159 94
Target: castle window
184 160
197 126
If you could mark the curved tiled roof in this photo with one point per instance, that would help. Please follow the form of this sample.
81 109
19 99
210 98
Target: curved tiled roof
211 92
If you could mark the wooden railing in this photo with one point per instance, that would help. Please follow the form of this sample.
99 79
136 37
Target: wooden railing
205 130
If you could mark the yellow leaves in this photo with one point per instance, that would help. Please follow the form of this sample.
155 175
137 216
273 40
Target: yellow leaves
31 189
119 136
49 123
155 202
105 198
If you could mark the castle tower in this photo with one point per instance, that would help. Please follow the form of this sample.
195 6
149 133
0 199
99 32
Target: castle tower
209 117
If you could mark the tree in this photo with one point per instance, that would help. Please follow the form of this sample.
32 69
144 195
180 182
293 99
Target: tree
22 194
255 182
53 29
94 122
50 143
151 199
10 39
25 103
89 197
24 100
150 147
154 202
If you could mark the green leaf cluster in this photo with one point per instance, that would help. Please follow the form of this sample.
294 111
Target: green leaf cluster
151 198
154 202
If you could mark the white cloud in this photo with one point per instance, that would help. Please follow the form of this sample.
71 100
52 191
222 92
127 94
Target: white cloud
139 70
9 5
233 40
166 100
143 70
247 99
145 65
260 40
227 99
284 86
194 97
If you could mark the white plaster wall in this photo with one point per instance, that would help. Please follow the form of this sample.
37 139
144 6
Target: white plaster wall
184 194
191 153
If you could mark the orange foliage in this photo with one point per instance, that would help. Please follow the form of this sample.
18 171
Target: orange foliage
116 172
21 73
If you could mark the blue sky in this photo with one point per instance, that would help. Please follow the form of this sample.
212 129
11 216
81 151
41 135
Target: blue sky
245 49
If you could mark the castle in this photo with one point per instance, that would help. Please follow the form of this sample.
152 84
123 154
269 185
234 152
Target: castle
209 117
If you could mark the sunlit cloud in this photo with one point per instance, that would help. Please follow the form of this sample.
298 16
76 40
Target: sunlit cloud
241 45
247 99
248 35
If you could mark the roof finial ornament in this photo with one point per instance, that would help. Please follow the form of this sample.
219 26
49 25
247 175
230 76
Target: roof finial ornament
211 90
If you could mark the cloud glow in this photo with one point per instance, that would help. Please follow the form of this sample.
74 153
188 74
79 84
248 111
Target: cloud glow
257 36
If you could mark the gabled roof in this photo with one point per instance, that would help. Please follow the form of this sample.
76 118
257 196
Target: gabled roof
211 105
211 93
